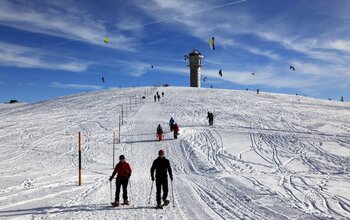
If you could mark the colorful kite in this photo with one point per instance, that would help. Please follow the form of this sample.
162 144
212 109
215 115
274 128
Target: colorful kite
106 40
211 43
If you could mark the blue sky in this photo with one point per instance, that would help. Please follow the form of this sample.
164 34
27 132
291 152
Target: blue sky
50 49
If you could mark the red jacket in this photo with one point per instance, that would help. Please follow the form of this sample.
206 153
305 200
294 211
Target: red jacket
176 128
123 169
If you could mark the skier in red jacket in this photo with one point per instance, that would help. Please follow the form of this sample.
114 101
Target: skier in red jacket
159 132
124 172
176 130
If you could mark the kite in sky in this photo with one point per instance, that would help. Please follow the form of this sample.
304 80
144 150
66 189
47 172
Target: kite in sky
186 57
253 74
211 43
103 79
152 66
292 68
106 40
204 79
220 72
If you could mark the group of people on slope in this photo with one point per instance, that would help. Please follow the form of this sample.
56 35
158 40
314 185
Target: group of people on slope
174 127
157 96
161 167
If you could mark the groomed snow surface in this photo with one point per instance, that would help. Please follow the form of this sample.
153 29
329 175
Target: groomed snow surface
268 156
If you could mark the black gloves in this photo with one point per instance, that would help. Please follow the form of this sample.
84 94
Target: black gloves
129 176
110 178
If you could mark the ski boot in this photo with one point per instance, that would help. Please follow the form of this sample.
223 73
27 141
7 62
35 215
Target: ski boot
115 204
166 202
126 202
159 206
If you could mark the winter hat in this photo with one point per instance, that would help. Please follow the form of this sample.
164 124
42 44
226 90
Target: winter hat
161 152
121 157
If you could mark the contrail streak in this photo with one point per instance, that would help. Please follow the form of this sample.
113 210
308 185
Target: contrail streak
191 13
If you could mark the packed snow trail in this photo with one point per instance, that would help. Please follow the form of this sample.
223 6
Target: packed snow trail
266 157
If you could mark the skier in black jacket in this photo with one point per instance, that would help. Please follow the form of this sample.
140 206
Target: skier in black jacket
162 166
210 117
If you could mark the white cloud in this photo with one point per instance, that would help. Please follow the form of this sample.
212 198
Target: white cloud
74 86
202 28
61 21
25 57
337 44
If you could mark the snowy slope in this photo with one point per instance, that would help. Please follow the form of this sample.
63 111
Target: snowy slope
268 156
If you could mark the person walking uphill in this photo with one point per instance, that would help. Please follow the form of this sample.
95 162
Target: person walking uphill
159 132
176 130
171 123
210 117
124 172
162 167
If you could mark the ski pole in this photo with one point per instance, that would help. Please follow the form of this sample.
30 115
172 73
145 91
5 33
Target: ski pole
110 187
149 200
130 189
172 189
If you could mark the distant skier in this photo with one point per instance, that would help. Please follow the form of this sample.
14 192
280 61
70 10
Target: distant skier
162 166
342 99
171 124
124 172
258 91
158 97
160 132
176 130
162 94
210 118
155 98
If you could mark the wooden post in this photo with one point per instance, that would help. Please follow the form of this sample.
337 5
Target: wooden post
126 109
113 148
130 103
122 116
79 144
119 131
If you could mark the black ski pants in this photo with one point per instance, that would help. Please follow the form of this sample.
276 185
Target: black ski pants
121 181
175 135
162 182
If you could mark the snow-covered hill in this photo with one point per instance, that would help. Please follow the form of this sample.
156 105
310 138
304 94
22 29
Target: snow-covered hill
268 156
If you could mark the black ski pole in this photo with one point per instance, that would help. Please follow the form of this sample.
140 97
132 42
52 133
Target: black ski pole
172 189
130 189
110 187
149 200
